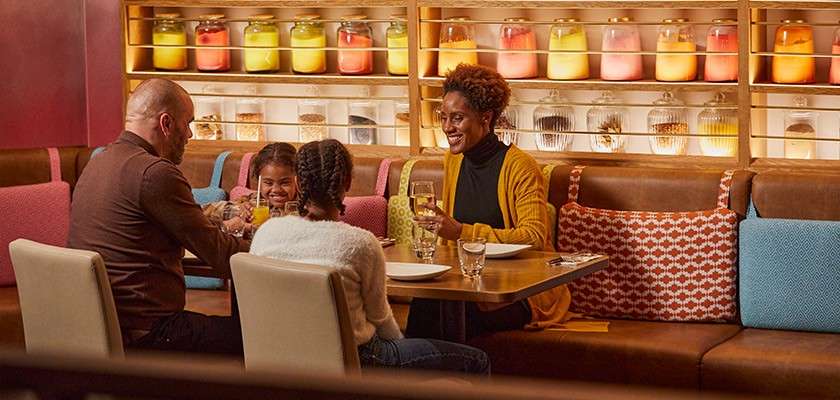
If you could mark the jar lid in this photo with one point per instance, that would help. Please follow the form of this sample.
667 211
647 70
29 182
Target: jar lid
306 17
260 17
719 99
211 17
168 15
673 20
607 97
554 96
399 17
458 18
724 20
354 17
566 20
516 19
793 21
667 99
620 19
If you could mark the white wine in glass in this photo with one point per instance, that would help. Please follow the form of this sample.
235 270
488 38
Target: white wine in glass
422 192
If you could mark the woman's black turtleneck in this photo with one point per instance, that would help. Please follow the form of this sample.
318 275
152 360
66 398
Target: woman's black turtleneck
477 190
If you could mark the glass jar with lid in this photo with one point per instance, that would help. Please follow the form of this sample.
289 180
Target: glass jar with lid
402 118
212 31
515 35
552 118
668 117
800 124
312 116
567 34
793 36
719 119
397 42
308 32
834 75
360 112
621 35
722 37
605 121
355 33
675 35
457 34
261 32
505 127
250 116
209 114
168 31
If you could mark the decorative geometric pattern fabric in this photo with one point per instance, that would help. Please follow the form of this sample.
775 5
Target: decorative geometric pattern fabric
400 216
790 274
241 188
665 266
370 212
38 212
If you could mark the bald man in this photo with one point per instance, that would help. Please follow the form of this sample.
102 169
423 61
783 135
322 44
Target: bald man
133 206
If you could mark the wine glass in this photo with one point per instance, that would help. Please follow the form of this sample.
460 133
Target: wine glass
422 192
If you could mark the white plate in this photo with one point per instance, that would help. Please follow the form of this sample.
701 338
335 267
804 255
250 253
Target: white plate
502 250
414 271
189 256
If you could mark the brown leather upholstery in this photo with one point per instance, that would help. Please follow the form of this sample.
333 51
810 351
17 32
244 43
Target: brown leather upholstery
649 189
365 171
30 166
11 323
781 363
424 170
780 194
632 352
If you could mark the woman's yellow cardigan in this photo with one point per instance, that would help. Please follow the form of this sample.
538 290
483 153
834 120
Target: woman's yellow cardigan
522 200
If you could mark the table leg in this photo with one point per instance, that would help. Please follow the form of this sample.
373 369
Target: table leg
453 321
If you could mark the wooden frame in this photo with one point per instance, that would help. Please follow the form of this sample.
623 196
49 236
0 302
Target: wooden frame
751 91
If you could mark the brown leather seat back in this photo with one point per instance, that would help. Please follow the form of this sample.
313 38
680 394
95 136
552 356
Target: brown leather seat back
649 189
780 194
31 166
424 170
365 171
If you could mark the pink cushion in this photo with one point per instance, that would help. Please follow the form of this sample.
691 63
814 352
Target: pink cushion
241 188
370 212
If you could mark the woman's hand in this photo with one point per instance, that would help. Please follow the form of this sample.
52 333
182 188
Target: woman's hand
450 229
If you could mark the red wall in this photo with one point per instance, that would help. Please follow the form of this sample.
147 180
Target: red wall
54 89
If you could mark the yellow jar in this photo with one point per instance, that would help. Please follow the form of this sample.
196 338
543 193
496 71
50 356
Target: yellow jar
719 122
676 36
567 35
794 36
168 32
307 32
261 32
397 42
455 34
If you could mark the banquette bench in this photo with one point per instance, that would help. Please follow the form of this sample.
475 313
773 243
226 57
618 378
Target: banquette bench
698 356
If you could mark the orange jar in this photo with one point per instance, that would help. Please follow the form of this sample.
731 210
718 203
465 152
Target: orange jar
793 36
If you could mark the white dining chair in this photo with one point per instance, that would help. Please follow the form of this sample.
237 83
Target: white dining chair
65 301
294 316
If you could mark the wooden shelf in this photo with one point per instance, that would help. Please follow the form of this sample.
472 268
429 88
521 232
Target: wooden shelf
267 3
597 84
241 77
628 4
819 166
812 89
797 5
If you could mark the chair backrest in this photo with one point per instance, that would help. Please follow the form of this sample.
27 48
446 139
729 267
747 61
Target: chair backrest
65 301
294 316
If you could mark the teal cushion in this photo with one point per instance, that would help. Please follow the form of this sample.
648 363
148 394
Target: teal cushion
210 194
790 274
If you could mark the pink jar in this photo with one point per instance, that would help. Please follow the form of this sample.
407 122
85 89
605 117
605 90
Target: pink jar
355 33
212 32
516 36
621 36
723 37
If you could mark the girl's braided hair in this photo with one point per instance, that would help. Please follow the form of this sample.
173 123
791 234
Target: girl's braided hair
323 169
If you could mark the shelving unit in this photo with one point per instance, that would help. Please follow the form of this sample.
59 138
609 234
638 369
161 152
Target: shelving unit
753 93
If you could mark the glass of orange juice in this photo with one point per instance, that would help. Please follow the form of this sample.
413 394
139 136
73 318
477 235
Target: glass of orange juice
259 212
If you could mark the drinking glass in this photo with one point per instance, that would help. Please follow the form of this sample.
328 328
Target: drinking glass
424 236
471 256
291 208
235 228
422 192
260 212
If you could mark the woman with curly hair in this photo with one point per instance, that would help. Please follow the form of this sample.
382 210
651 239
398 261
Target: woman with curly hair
492 191
324 171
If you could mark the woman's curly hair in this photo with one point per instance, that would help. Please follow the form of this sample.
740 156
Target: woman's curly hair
484 88
273 153
323 168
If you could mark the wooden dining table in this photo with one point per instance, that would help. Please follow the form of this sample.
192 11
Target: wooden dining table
503 280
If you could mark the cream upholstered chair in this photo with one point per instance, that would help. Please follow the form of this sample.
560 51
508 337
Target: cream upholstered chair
294 316
65 300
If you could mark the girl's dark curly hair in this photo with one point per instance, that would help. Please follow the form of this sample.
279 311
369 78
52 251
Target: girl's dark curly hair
484 89
273 153
323 169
